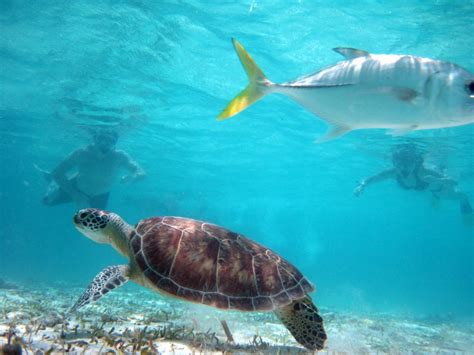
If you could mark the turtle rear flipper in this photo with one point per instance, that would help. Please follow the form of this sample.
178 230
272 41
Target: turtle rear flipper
106 280
304 322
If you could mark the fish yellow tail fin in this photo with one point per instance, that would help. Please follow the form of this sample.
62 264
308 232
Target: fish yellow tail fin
254 90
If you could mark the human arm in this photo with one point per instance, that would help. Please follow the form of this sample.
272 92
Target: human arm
135 170
383 175
46 174
436 180
431 173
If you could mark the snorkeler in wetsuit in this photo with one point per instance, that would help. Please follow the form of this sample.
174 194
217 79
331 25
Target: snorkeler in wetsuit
87 174
410 173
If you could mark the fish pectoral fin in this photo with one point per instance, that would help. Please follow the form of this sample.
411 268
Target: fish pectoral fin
333 132
403 130
351 53
400 93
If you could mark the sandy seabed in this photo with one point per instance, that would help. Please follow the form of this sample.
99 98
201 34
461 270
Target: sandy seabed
135 320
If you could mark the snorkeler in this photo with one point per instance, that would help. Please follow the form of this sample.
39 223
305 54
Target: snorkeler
410 173
87 174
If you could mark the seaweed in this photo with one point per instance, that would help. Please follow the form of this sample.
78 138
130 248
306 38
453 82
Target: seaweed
14 343
108 317
227 332
258 342
158 316
35 321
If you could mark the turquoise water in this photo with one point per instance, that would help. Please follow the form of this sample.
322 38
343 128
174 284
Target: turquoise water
160 73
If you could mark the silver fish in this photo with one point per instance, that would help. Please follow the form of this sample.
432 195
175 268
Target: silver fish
400 92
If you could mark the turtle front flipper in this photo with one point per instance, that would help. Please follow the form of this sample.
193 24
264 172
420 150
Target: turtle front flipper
304 322
106 280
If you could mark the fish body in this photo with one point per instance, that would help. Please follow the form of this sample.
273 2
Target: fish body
399 92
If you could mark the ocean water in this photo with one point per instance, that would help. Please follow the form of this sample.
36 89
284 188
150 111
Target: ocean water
159 73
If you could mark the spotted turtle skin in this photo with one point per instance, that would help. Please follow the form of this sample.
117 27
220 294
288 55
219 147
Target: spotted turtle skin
208 264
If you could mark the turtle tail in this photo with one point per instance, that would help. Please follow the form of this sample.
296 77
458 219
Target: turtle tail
256 89
304 322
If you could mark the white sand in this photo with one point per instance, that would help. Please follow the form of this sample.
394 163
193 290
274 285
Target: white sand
119 320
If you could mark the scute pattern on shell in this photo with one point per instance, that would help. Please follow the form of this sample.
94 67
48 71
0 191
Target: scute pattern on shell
205 263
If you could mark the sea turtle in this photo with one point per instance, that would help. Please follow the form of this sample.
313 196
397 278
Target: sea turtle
203 263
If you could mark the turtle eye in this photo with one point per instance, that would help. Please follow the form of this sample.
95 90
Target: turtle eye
470 87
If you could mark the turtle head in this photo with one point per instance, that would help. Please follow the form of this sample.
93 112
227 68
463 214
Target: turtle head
100 226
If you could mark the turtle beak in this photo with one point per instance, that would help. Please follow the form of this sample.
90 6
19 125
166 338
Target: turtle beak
81 215
92 223
91 218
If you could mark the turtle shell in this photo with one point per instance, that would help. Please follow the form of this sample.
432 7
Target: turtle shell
208 264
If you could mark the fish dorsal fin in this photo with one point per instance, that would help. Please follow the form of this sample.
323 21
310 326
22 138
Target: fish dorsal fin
351 53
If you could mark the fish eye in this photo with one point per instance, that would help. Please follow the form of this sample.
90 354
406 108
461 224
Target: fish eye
470 87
